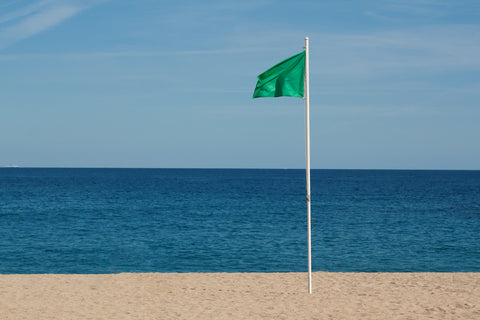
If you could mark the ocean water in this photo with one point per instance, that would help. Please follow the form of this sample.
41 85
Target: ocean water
222 220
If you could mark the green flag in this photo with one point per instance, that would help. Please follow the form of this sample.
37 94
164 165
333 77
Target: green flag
283 79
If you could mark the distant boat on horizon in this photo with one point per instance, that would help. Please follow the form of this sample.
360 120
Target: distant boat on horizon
12 166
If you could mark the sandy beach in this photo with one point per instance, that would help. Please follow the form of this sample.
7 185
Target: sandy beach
241 296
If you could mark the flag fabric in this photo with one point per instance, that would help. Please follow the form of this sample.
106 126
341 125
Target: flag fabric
283 79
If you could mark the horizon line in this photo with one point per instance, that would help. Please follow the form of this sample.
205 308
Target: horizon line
230 168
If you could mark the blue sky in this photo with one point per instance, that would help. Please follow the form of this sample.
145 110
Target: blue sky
143 83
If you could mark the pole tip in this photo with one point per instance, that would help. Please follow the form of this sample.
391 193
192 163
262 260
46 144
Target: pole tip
306 38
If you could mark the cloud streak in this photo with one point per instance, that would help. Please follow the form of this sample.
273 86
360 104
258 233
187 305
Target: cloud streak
130 54
25 11
434 48
38 17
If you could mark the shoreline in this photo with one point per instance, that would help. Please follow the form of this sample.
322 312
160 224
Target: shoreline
240 296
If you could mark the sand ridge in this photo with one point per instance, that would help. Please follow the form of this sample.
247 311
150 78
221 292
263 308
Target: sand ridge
241 296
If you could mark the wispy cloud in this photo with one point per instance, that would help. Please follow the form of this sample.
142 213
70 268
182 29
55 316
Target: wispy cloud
418 7
24 11
35 18
433 48
130 54
205 12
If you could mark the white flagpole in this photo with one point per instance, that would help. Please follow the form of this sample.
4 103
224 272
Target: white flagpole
307 156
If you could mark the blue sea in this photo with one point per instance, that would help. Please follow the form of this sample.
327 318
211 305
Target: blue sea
237 220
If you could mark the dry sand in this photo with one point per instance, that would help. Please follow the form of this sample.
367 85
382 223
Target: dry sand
241 296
